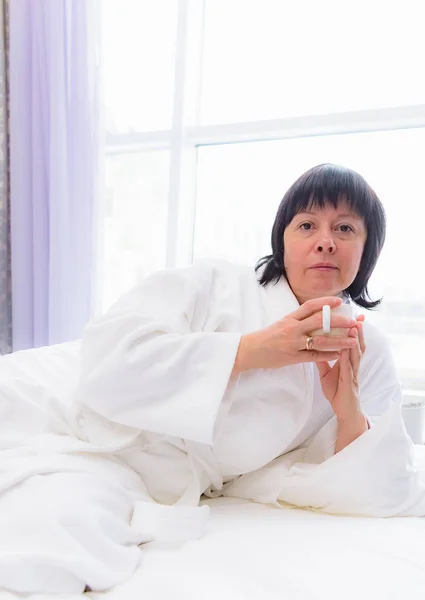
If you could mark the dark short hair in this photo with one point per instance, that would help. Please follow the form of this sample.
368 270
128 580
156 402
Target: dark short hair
323 185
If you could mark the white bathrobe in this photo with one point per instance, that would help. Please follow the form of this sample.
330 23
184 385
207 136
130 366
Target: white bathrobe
160 361
115 440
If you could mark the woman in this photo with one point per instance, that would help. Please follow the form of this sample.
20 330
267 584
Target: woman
208 380
327 236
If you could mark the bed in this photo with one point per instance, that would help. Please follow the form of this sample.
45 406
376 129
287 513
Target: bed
250 550
257 552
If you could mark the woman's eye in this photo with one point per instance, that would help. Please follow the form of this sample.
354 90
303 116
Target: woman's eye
306 226
345 228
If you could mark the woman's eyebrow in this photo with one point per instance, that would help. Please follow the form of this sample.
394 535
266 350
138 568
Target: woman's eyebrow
345 215
338 216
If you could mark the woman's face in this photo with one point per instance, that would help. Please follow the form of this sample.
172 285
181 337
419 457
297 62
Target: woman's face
320 237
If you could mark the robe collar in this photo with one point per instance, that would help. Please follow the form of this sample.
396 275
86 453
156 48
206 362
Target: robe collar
279 300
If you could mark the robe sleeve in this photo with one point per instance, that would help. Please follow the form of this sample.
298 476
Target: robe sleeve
379 383
150 363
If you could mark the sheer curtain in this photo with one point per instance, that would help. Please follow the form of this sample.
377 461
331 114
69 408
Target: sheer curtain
54 79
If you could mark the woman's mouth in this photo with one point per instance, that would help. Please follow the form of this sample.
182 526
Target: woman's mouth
324 267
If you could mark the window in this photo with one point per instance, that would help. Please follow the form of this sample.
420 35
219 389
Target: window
135 220
214 107
241 185
270 59
139 40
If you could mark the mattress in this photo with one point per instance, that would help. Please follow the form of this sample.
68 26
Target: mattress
252 551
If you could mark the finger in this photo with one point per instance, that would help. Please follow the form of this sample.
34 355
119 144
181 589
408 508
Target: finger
315 356
355 358
316 322
323 368
328 343
345 369
362 342
316 304
360 318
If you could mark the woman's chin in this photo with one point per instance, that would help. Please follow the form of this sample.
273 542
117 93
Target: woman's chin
322 292
319 290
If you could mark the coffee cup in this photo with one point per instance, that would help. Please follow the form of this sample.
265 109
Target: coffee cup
344 310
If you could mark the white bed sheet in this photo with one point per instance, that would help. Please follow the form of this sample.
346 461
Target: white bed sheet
252 551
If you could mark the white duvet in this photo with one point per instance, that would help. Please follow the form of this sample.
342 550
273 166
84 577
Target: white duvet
65 507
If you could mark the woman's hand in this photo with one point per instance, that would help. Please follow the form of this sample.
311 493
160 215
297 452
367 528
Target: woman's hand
340 382
284 343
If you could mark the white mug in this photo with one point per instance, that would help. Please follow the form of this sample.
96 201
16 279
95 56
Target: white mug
345 310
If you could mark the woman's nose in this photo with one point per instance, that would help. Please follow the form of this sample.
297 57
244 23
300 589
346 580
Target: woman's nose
326 246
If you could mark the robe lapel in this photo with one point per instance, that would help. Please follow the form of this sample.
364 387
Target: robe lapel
278 301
